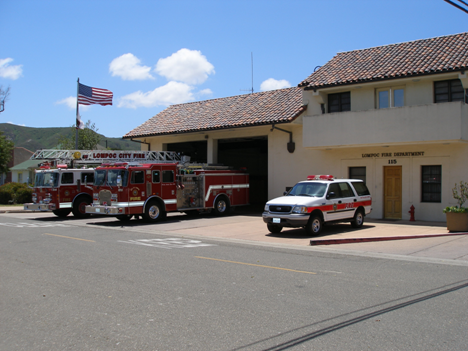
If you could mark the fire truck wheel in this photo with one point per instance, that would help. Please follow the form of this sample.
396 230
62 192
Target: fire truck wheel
358 219
79 207
274 228
154 212
222 206
315 225
61 213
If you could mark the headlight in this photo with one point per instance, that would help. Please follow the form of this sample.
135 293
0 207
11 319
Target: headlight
267 208
299 209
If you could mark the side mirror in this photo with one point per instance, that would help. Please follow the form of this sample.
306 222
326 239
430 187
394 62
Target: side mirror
285 193
85 180
331 194
51 182
119 181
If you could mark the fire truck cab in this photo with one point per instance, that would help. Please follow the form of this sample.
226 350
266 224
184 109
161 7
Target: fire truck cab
153 189
62 190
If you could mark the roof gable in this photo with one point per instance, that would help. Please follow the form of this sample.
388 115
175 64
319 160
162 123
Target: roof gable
276 106
414 58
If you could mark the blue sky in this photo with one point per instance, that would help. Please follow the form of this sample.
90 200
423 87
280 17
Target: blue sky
152 54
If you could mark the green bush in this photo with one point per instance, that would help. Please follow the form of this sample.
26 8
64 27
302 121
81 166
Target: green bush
5 197
17 193
23 196
455 209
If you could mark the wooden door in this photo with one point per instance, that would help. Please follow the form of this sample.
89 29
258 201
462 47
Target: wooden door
392 192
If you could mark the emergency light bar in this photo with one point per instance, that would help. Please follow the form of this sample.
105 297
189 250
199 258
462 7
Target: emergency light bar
320 177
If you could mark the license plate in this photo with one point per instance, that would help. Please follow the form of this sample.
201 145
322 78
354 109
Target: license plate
276 220
98 210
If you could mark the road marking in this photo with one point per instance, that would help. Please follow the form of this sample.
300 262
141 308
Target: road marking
168 243
69 237
34 225
255 265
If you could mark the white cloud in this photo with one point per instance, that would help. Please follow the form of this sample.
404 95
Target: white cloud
171 93
205 92
128 67
273 84
10 72
16 124
70 102
187 66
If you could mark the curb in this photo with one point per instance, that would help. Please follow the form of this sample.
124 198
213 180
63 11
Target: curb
387 238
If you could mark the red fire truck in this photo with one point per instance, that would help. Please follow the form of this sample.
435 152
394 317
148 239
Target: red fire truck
63 184
125 189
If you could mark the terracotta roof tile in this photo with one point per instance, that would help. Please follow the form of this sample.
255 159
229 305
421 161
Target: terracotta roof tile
414 58
276 106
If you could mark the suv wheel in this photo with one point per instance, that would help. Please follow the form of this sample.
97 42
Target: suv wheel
315 225
358 219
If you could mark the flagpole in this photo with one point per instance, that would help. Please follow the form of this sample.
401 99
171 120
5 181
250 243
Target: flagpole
77 114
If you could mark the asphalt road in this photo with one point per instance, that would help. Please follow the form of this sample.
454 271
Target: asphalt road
97 285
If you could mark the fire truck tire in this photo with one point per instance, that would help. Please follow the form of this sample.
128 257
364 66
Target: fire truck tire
222 206
315 225
274 228
61 213
358 219
154 212
79 207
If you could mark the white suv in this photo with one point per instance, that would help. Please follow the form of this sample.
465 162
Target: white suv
318 200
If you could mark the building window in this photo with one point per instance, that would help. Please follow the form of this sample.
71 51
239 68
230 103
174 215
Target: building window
431 183
357 173
339 102
390 97
449 90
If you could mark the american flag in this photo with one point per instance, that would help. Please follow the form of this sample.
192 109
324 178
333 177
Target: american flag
90 96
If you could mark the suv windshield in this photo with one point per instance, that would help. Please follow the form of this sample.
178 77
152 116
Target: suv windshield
308 189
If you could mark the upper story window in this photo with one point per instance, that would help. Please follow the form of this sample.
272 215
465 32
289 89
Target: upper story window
449 90
339 102
390 97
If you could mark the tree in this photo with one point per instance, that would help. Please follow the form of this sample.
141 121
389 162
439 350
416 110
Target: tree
88 138
6 148
3 97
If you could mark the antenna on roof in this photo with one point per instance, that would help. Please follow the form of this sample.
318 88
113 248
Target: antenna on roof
251 89
458 6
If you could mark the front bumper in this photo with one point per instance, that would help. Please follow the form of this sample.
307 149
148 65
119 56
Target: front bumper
286 220
105 210
39 207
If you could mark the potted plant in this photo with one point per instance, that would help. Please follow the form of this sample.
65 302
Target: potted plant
457 216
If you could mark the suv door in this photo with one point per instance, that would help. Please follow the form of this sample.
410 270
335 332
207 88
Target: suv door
342 196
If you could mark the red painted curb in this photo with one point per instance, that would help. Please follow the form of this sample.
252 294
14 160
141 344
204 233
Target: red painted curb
386 238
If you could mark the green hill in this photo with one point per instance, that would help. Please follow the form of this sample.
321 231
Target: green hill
47 138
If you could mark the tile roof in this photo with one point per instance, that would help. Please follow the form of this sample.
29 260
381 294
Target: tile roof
276 106
415 58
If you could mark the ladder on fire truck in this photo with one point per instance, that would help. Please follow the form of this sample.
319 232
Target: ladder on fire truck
100 156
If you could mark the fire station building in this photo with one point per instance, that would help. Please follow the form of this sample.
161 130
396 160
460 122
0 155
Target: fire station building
395 116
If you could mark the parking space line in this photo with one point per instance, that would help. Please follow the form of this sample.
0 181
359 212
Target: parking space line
69 237
255 265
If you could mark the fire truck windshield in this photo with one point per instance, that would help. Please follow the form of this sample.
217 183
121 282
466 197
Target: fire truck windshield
46 179
109 177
